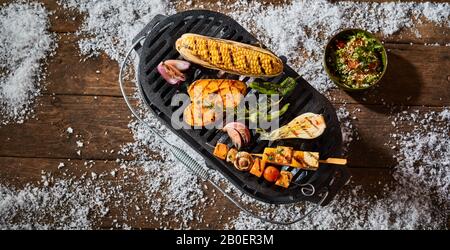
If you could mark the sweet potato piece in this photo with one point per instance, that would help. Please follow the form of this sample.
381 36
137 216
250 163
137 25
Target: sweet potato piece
207 95
188 116
240 86
197 88
237 96
221 151
198 114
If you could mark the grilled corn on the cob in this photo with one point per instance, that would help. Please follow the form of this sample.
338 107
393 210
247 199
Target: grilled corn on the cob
229 56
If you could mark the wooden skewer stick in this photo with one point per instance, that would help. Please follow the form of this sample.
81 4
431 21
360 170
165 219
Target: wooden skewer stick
335 161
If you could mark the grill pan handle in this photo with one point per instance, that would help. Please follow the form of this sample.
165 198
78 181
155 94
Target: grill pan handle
188 161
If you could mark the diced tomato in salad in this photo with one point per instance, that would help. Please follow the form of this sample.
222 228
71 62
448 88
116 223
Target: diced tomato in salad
340 44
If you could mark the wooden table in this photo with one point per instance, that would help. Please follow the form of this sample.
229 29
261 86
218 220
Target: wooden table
84 95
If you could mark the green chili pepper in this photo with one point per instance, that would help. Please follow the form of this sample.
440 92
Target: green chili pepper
287 86
278 113
269 88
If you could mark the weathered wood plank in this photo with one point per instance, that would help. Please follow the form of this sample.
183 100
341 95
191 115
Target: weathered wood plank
93 118
64 20
417 75
101 125
19 172
372 145
70 73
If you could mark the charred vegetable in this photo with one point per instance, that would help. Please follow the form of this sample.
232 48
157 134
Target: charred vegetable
306 160
269 88
286 156
211 96
231 156
171 70
221 151
284 179
258 167
264 111
305 126
232 57
238 132
271 174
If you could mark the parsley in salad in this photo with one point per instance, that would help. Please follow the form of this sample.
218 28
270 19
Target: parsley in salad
357 60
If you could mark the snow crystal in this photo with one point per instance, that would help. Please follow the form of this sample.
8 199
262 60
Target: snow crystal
349 132
424 155
24 44
64 205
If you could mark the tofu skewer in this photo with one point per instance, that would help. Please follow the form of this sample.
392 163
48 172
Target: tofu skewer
299 159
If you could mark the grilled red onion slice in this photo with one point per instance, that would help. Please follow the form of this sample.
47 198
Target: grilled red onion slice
238 132
170 70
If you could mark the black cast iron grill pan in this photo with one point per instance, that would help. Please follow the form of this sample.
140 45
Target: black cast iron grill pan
159 44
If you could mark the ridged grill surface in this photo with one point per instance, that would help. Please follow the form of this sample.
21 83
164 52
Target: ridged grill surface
161 34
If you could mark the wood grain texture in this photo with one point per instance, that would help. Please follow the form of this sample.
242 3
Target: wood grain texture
101 125
430 33
22 171
416 75
62 20
71 74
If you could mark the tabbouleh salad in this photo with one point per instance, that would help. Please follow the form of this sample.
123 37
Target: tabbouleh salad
356 60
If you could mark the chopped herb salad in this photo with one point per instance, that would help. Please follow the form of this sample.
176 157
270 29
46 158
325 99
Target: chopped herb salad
356 59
